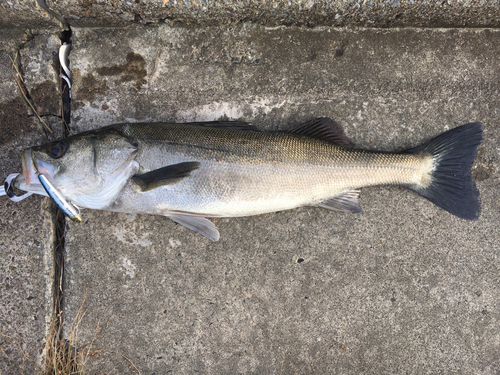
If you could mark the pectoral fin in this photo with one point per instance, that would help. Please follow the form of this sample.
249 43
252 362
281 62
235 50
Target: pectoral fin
197 223
165 176
347 201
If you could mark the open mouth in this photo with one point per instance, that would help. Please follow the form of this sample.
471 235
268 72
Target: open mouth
28 170
31 168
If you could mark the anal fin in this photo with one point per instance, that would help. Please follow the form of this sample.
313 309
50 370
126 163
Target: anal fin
197 223
347 201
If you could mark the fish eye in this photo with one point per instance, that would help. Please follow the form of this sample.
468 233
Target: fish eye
57 150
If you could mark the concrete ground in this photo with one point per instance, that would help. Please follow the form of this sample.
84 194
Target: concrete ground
26 228
403 287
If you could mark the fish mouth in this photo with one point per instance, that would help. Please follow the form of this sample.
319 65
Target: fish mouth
28 170
33 166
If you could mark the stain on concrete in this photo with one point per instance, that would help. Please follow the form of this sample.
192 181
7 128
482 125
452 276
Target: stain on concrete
340 49
86 88
11 113
133 70
128 267
14 121
483 168
126 236
482 172
46 98
15 114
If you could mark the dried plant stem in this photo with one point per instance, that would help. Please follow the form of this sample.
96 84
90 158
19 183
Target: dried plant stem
129 361
20 83
22 352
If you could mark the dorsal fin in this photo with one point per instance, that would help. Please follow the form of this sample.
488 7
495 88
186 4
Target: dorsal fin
326 129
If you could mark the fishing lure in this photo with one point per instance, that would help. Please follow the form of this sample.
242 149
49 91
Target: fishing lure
67 208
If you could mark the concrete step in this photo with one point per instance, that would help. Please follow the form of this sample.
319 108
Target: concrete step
402 287
371 13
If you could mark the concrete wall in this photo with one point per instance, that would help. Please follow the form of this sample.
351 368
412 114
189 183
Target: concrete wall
373 13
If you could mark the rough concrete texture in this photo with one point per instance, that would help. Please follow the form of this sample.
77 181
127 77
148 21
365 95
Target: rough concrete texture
373 13
26 231
283 12
26 14
403 287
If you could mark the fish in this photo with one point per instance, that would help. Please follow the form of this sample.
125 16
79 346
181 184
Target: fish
193 172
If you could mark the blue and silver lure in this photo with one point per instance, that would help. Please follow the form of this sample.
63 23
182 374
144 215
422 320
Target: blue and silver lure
67 208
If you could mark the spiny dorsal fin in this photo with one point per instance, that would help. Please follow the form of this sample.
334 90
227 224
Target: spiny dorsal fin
347 201
165 176
326 129
235 125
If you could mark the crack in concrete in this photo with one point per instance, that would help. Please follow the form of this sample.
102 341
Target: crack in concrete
60 18
56 223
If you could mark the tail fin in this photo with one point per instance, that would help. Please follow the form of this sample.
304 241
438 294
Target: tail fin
451 186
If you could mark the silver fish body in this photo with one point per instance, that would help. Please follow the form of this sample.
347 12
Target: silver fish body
192 171
245 173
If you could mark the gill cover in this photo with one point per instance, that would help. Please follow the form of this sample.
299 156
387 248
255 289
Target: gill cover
113 165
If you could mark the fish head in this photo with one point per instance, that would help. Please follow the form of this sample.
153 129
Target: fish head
83 165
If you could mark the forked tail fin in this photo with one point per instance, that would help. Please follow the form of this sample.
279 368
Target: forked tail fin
451 186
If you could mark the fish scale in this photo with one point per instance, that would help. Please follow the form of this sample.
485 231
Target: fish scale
243 172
